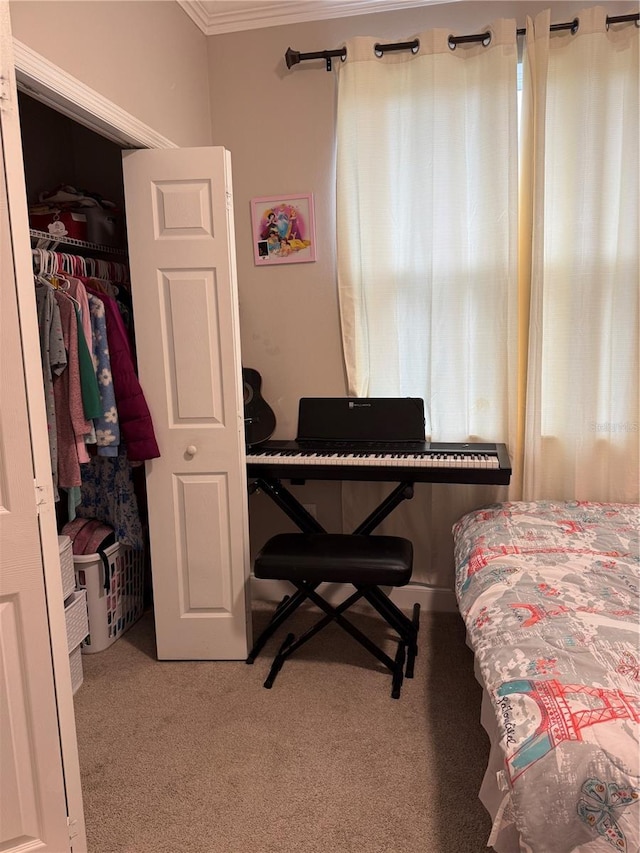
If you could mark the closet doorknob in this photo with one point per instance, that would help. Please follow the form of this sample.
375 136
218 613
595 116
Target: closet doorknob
191 450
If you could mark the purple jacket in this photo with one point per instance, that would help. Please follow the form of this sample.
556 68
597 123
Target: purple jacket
136 426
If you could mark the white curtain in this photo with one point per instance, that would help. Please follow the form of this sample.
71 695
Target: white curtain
581 183
427 228
427 254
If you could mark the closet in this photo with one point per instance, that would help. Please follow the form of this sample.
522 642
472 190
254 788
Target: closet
179 234
75 196
179 227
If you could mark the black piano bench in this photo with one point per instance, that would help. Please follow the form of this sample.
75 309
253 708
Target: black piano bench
366 562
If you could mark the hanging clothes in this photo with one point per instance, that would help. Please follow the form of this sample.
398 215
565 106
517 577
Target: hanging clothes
135 418
92 392
107 426
54 361
91 403
108 494
71 424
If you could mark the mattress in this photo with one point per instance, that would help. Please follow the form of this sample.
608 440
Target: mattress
549 595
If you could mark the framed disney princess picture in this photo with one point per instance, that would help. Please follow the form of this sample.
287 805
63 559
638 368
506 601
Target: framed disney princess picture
283 229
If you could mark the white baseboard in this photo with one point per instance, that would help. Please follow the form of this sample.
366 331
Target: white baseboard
430 598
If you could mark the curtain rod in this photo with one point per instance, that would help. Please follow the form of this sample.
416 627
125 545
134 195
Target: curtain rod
293 57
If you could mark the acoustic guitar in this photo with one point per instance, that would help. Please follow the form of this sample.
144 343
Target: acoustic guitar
259 419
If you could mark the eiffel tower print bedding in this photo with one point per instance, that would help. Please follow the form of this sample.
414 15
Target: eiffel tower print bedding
549 595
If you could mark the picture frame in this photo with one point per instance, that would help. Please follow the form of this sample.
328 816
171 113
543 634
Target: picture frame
283 229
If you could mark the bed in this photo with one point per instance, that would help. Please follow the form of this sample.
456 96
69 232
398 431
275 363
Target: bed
549 595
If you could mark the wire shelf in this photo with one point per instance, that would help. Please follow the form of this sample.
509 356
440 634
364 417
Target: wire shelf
53 243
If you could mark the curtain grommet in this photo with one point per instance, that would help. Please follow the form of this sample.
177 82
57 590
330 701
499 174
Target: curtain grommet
478 38
379 50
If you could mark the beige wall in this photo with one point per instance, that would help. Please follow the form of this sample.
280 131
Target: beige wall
280 128
147 57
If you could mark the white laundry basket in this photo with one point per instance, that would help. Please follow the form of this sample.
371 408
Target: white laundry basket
113 611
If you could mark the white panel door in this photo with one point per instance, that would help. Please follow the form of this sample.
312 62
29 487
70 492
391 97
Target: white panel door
33 809
182 256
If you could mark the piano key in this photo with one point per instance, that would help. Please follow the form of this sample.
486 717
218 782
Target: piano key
358 468
435 460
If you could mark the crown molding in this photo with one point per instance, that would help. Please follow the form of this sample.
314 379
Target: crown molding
266 13
196 11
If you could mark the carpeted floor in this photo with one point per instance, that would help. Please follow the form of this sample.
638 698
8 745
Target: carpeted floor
199 757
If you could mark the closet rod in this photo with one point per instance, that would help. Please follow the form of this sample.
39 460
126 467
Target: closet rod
293 57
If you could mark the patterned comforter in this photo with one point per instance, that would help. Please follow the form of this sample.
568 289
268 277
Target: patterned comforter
549 595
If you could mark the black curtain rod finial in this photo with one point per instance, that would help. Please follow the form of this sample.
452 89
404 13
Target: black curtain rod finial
292 57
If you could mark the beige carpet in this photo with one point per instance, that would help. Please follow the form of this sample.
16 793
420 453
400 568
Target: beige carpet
199 757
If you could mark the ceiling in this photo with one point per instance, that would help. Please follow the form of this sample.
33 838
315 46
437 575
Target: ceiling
229 16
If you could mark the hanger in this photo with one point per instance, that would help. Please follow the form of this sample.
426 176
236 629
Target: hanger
103 269
42 280
59 282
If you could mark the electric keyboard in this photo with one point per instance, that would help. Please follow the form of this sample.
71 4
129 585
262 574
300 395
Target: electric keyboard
431 462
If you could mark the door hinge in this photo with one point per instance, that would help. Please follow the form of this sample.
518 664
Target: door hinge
72 823
228 199
5 91
41 494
